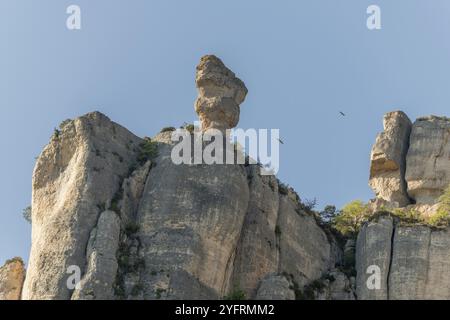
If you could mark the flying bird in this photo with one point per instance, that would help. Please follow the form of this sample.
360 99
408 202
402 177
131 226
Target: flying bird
342 114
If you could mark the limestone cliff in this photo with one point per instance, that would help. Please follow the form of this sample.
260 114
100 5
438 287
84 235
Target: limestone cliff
139 226
115 212
410 169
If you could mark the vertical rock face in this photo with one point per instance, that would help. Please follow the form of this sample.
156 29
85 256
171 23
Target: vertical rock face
305 252
388 159
12 275
219 94
409 264
75 179
101 270
373 248
428 160
191 218
258 251
413 260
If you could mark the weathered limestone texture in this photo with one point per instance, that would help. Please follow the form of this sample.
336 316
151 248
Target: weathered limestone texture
414 261
12 275
139 226
275 287
373 248
257 254
388 159
219 94
428 159
305 251
75 179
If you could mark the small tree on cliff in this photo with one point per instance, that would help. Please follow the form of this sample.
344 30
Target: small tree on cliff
351 217
26 213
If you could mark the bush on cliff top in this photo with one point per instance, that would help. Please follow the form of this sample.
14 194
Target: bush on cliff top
148 150
442 216
350 219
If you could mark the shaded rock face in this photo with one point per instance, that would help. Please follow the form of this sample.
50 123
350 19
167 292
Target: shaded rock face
388 159
428 159
305 252
12 275
275 287
337 286
414 261
219 94
101 269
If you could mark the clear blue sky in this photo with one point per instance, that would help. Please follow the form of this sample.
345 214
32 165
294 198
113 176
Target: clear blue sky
302 61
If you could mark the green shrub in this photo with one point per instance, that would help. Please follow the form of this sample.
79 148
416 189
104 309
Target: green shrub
159 292
236 294
26 213
283 189
56 133
64 123
148 150
167 129
190 128
351 218
409 216
442 216
138 288
278 231
131 228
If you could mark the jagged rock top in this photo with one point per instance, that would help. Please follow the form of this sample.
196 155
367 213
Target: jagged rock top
220 93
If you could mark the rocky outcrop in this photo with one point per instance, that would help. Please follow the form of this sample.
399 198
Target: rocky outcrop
388 159
414 261
219 94
12 275
374 248
139 226
408 162
428 159
75 180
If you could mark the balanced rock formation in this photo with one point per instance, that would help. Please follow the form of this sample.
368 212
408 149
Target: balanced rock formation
388 159
12 275
138 226
220 93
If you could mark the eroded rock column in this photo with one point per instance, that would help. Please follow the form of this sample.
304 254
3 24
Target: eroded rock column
220 93
388 160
